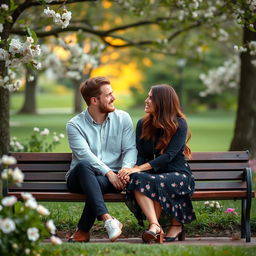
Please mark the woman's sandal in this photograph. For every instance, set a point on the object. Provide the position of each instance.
(180, 235)
(149, 236)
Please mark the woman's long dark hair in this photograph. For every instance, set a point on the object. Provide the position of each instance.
(167, 109)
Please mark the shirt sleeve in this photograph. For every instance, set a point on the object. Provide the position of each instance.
(175, 145)
(140, 158)
(82, 151)
(129, 152)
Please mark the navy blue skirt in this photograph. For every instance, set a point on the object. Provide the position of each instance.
(172, 190)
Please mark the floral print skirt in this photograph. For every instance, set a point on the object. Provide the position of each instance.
(172, 190)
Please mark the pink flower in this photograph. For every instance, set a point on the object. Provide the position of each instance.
(231, 210)
(147, 186)
(162, 184)
(153, 194)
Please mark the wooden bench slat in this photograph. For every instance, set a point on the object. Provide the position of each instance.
(44, 167)
(218, 166)
(111, 197)
(61, 186)
(199, 176)
(220, 156)
(46, 157)
(196, 156)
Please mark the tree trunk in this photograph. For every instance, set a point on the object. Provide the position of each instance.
(4, 117)
(245, 128)
(29, 105)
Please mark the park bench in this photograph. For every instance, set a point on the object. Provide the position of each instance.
(218, 176)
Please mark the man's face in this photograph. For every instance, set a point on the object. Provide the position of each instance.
(106, 99)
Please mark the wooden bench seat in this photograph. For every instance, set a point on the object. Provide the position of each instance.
(218, 176)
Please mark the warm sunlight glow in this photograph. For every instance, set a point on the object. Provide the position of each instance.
(122, 76)
(61, 52)
(147, 62)
(106, 4)
(115, 41)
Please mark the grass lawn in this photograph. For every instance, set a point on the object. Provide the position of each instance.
(145, 250)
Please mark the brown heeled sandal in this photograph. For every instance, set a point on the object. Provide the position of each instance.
(180, 235)
(149, 236)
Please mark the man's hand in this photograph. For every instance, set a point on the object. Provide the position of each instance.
(124, 174)
(114, 179)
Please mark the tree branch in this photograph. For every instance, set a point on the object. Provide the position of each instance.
(29, 3)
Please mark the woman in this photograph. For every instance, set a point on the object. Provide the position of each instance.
(162, 181)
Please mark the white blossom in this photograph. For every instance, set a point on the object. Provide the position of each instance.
(51, 226)
(1, 207)
(8, 160)
(36, 129)
(252, 47)
(226, 76)
(253, 63)
(9, 201)
(55, 240)
(1, 27)
(7, 225)
(31, 203)
(27, 196)
(15, 46)
(45, 132)
(17, 175)
(31, 78)
(42, 210)
(4, 55)
(59, 19)
(27, 251)
(5, 7)
(62, 136)
(56, 138)
(33, 234)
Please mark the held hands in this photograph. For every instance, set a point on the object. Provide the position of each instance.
(115, 180)
(124, 174)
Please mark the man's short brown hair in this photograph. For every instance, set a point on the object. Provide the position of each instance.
(91, 87)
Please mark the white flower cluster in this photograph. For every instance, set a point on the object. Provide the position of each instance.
(18, 53)
(11, 223)
(15, 174)
(226, 76)
(9, 81)
(252, 47)
(252, 4)
(4, 7)
(16, 145)
(78, 61)
(26, 53)
(62, 19)
(212, 204)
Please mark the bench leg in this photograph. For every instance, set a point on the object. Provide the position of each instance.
(245, 220)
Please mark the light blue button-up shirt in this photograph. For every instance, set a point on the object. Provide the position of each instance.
(107, 146)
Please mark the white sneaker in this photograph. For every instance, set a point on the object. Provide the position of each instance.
(114, 228)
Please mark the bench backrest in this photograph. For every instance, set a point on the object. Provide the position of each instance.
(213, 171)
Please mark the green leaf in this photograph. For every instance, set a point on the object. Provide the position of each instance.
(32, 33)
(13, 6)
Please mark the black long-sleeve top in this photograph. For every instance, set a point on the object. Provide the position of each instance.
(172, 159)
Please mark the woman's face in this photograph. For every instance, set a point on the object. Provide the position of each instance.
(149, 108)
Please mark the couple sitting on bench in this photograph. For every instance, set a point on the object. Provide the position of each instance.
(153, 170)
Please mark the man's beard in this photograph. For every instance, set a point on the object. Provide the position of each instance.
(105, 109)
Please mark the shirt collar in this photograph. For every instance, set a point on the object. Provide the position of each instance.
(91, 120)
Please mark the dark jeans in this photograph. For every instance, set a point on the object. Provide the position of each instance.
(84, 180)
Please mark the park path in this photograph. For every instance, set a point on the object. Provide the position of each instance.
(210, 241)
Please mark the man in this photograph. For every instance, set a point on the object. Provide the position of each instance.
(102, 142)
